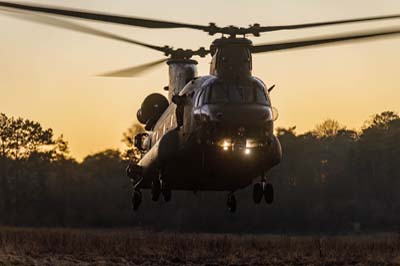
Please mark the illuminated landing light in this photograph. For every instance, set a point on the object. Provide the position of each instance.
(247, 151)
(226, 145)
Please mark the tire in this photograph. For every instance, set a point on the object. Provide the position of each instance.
(155, 190)
(257, 193)
(269, 193)
(167, 194)
(136, 200)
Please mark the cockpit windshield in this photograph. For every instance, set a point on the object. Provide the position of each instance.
(219, 92)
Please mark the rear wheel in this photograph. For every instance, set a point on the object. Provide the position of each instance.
(166, 191)
(269, 193)
(257, 193)
(155, 190)
(167, 194)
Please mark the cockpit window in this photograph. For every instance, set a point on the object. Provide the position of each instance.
(219, 92)
(239, 94)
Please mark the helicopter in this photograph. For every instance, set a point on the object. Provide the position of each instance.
(213, 132)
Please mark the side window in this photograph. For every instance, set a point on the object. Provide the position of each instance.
(217, 94)
(259, 94)
(199, 101)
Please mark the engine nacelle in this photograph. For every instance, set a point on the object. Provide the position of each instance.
(151, 110)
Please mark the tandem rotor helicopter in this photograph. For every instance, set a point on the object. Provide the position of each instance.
(213, 132)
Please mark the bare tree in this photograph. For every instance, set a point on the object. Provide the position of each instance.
(328, 128)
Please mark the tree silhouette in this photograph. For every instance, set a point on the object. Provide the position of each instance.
(381, 120)
(329, 178)
(23, 142)
(328, 129)
(131, 152)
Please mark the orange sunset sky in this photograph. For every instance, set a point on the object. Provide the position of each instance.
(49, 74)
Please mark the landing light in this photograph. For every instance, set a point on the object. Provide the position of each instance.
(226, 145)
(247, 151)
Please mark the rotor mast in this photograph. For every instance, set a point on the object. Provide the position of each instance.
(182, 68)
(181, 71)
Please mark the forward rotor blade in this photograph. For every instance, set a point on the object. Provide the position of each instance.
(327, 23)
(60, 23)
(325, 40)
(75, 13)
(133, 71)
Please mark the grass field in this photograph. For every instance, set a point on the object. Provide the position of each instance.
(25, 246)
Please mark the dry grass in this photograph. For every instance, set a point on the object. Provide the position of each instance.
(133, 247)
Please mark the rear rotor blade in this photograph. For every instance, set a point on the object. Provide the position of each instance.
(60, 23)
(327, 23)
(133, 71)
(75, 13)
(333, 39)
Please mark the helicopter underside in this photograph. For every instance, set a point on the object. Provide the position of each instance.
(213, 167)
(205, 167)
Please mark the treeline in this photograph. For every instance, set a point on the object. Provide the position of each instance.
(331, 179)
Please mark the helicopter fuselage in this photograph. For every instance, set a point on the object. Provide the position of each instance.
(218, 137)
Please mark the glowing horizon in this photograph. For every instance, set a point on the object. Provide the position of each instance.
(48, 74)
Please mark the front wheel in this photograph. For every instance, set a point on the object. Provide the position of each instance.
(155, 190)
(136, 199)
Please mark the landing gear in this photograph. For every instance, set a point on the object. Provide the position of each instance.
(258, 193)
(167, 194)
(159, 187)
(231, 202)
(136, 199)
(269, 193)
(166, 191)
(261, 190)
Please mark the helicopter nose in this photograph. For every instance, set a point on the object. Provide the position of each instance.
(241, 129)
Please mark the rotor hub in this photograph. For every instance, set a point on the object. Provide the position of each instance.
(184, 53)
(233, 31)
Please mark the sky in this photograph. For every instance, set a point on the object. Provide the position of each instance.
(49, 74)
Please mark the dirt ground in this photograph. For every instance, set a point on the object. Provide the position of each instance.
(25, 246)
